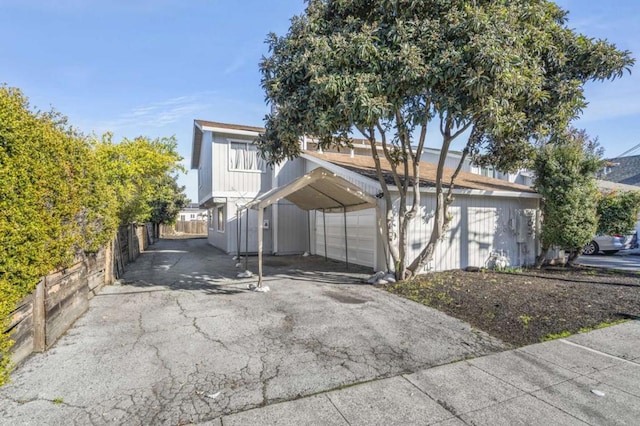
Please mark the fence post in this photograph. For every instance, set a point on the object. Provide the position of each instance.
(108, 263)
(131, 255)
(39, 320)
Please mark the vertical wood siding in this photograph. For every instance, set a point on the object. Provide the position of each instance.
(205, 182)
(231, 232)
(293, 222)
(480, 225)
(226, 180)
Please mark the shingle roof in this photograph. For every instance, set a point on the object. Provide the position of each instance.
(364, 165)
(624, 170)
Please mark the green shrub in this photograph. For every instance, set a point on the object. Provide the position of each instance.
(62, 195)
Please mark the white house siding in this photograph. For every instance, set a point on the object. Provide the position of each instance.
(487, 223)
(216, 238)
(360, 236)
(292, 223)
(225, 180)
(232, 229)
(205, 183)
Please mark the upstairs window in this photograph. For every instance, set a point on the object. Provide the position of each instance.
(244, 156)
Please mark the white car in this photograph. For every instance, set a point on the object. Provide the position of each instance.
(608, 244)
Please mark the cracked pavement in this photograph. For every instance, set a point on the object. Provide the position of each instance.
(183, 341)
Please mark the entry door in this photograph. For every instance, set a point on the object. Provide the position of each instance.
(253, 232)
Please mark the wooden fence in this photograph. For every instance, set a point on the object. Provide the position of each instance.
(63, 296)
(194, 227)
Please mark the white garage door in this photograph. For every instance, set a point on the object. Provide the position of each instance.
(361, 236)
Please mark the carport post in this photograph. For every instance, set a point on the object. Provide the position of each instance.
(260, 231)
(346, 246)
(309, 230)
(238, 229)
(246, 242)
(324, 229)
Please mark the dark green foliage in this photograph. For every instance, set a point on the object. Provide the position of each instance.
(62, 195)
(618, 212)
(168, 201)
(565, 176)
(49, 197)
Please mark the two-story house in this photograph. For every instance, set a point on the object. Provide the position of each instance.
(488, 216)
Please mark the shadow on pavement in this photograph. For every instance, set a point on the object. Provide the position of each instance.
(194, 265)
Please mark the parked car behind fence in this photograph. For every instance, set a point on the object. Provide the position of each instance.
(609, 244)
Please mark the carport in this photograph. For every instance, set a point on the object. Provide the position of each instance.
(320, 190)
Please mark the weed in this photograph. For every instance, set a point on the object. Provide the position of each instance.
(556, 336)
(58, 400)
(510, 270)
(582, 330)
(444, 298)
(525, 320)
(602, 325)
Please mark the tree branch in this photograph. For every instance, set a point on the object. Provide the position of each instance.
(462, 129)
(385, 149)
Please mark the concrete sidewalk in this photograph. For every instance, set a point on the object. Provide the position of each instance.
(591, 378)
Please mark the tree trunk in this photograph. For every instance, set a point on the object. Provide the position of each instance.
(573, 255)
(541, 257)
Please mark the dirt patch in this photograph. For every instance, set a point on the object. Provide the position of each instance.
(527, 307)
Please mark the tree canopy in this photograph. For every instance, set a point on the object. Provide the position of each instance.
(506, 73)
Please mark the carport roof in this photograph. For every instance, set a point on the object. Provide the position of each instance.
(319, 189)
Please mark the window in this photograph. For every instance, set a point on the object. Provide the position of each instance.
(221, 220)
(488, 172)
(193, 215)
(244, 156)
(182, 218)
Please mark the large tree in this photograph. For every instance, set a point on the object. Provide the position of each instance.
(565, 177)
(502, 73)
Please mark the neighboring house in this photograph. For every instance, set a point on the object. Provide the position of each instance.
(488, 215)
(624, 170)
(192, 212)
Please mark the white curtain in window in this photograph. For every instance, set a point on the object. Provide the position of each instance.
(244, 156)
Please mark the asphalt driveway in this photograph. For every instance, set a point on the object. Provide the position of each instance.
(182, 340)
(625, 260)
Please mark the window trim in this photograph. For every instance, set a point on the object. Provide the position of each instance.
(245, 142)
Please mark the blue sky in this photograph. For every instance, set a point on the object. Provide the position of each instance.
(149, 67)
